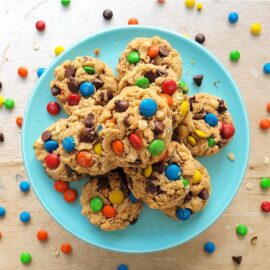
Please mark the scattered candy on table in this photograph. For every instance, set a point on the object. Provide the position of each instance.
(24, 186)
(70, 195)
(268, 107)
(25, 258)
(1, 85)
(40, 71)
(190, 3)
(22, 72)
(237, 259)
(19, 121)
(264, 123)
(61, 186)
(266, 69)
(107, 14)
(199, 6)
(65, 3)
(209, 247)
(198, 79)
(241, 229)
(161, 1)
(184, 87)
(58, 50)
(200, 38)
(2, 211)
(25, 216)
(9, 103)
(255, 28)
(40, 25)
(233, 17)
(1, 100)
(42, 235)
(132, 21)
(265, 206)
(234, 55)
(265, 182)
(66, 248)
(124, 266)
(53, 108)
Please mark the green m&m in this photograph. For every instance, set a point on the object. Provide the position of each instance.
(184, 87)
(89, 70)
(25, 258)
(142, 82)
(9, 103)
(133, 57)
(234, 55)
(156, 147)
(96, 204)
(65, 3)
(185, 182)
(241, 229)
(211, 142)
(265, 182)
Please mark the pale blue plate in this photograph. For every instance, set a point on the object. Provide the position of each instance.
(153, 231)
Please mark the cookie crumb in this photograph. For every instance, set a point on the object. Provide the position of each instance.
(56, 251)
(35, 45)
(237, 259)
(254, 239)
(231, 156)
(265, 160)
(97, 51)
(216, 84)
(254, 73)
(249, 186)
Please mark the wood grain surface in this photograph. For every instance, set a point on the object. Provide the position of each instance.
(66, 26)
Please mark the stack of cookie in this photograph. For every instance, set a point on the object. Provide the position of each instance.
(135, 136)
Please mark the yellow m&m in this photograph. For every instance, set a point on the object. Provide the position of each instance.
(191, 140)
(1, 100)
(98, 149)
(256, 28)
(184, 108)
(200, 134)
(58, 50)
(190, 3)
(196, 178)
(116, 196)
(147, 171)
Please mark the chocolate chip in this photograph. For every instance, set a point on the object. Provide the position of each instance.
(136, 162)
(88, 122)
(198, 79)
(163, 52)
(159, 127)
(152, 178)
(103, 182)
(204, 194)
(126, 123)
(73, 86)
(46, 135)
(200, 38)
(200, 114)
(121, 105)
(98, 83)
(221, 107)
(88, 135)
(109, 94)
(175, 135)
(151, 76)
(161, 73)
(70, 71)
(237, 259)
(188, 197)
(159, 167)
(55, 91)
(133, 221)
(151, 188)
(191, 101)
(221, 144)
(2, 138)
(70, 172)
(1, 85)
(107, 14)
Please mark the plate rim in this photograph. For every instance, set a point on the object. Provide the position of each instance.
(192, 43)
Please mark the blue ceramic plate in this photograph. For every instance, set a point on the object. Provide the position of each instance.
(154, 231)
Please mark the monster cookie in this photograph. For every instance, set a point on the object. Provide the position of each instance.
(153, 50)
(168, 87)
(207, 127)
(80, 145)
(136, 127)
(196, 199)
(82, 82)
(107, 202)
(48, 152)
(165, 184)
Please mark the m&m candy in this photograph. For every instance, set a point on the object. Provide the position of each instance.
(196, 178)
(122, 267)
(211, 142)
(132, 21)
(90, 70)
(65, 3)
(156, 147)
(265, 206)
(109, 211)
(2, 211)
(148, 107)
(190, 3)
(227, 131)
(51, 145)
(116, 196)
(142, 82)
(241, 229)
(52, 161)
(169, 87)
(265, 183)
(117, 147)
(9, 103)
(211, 119)
(87, 89)
(24, 186)
(148, 170)
(25, 216)
(61, 186)
(132, 198)
(42, 235)
(70, 195)
(22, 72)
(135, 141)
(256, 28)
(66, 248)
(53, 108)
(96, 204)
(73, 100)
(184, 87)
(266, 68)
(40, 71)
(183, 214)
(233, 17)
(173, 172)
(25, 258)
(133, 57)
(235, 55)
(40, 25)
(68, 144)
(58, 50)
(209, 247)
(153, 51)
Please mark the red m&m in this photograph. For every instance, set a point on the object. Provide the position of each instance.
(40, 25)
(227, 130)
(135, 141)
(53, 108)
(73, 100)
(169, 87)
(265, 206)
(52, 161)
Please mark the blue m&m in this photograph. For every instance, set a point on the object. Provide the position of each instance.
(2, 211)
(40, 71)
(183, 213)
(132, 198)
(173, 172)
(24, 186)
(87, 89)
(24, 217)
(233, 17)
(51, 145)
(211, 119)
(266, 68)
(68, 144)
(209, 247)
(148, 107)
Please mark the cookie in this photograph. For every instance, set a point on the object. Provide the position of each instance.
(48, 152)
(81, 145)
(107, 202)
(167, 83)
(164, 184)
(196, 199)
(136, 127)
(153, 50)
(82, 82)
(207, 127)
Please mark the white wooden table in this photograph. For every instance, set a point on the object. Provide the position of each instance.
(66, 26)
